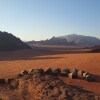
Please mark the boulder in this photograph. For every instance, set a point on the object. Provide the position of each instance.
(48, 71)
(38, 71)
(31, 71)
(24, 72)
(72, 75)
(80, 73)
(56, 71)
(65, 72)
(19, 75)
(85, 73)
(89, 78)
(41, 71)
(75, 71)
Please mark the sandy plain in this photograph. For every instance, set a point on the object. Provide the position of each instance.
(12, 63)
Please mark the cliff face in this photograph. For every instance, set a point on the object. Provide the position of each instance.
(9, 42)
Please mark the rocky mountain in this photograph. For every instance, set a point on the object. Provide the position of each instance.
(82, 40)
(9, 42)
(68, 40)
(52, 41)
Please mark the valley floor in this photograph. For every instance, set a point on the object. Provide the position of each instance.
(11, 63)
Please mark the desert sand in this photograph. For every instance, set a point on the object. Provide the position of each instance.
(11, 63)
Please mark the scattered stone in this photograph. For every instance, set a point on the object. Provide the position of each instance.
(80, 73)
(24, 72)
(38, 72)
(72, 75)
(75, 72)
(48, 71)
(89, 78)
(56, 71)
(41, 71)
(31, 71)
(65, 72)
(85, 73)
(19, 75)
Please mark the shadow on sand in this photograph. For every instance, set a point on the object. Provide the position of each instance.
(96, 78)
(36, 53)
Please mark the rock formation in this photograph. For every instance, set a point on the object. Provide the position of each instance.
(43, 87)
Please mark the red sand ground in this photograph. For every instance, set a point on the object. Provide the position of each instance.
(11, 63)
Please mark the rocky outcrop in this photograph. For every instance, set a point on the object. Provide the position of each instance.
(43, 87)
(9, 42)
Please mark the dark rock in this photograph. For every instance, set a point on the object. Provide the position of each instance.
(56, 71)
(65, 72)
(72, 75)
(48, 71)
(19, 75)
(89, 78)
(41, 71)
(24, 72)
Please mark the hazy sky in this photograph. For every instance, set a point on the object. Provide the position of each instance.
(42, 19)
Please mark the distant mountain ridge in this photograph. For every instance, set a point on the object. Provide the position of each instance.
(82, 40)
(52, 41)
(9, 42)
(68, 40)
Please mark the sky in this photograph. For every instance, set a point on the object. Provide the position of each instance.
(43, 19)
